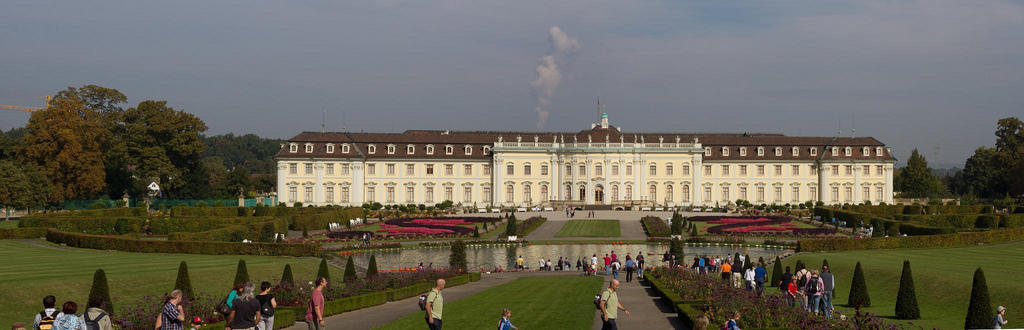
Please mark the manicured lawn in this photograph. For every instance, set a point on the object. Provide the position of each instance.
(589, 228)
(8, 223)
(942, 278)
(30, 272)
(536, 303)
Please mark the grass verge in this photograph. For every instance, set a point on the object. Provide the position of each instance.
(590, 228)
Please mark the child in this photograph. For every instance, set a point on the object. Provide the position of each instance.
(505, 323)
(197, 323)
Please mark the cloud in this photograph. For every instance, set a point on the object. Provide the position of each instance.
(549, 76)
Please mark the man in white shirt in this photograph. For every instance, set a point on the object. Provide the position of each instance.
(748, 276)
(50, 310)
(542, 264)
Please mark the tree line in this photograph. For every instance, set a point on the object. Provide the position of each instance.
(86, 145)
(995, 173)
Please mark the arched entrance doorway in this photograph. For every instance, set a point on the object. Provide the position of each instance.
(599, 195)
(583, 193)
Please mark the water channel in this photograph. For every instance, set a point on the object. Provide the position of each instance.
(488, 257)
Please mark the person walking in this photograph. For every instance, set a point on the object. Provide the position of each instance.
(315, 312)
(172, 315)
(737, 273)
(813, 291)
(640, 264)
(630, 268)
(44, 320)
(94, 314)
(67, 319)
(759, 275)
(614, 256)
(802, 275)
(235, 291)
(997, 321)
(615, 269)
(792, 292)
(519, 263)
(748, 277)
(268, 305)
(829, 281)
(246, 311)
(786, 278)
(435, 305)
(726, 270)
(732, 324)
(610, 306)
(607, 265)
(506, 323)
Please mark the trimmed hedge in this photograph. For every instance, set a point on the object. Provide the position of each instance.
(320, 220)
(86, 224)
(418, 289)
(251, 230)
(527, 226)
(163, 226)
(273, 211)
(111, 212)
(655, 227)
(911, 229)
(88, 241)
(910, 242)
(218, 211)
(1011, 221)
(686, 312)
(22, 233)
(958, 221)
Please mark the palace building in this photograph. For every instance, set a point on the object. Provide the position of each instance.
(599, 166)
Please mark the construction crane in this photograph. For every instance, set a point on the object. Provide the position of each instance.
(23, 108)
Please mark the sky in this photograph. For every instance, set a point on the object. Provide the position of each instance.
(931, 74)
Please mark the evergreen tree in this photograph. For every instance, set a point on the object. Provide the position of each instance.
(916, 179)
(676, 249)
(323, 271)
(287, 277)
(242, 273)
(749, 264)
(305, 233)
(101, 290)
(476, 231)
(350, 271)
(371, 268)
(457, 259)
(677, 224)
(859, 289)
(184, 283)
(777, 272)
(906, 299)
(979, 311)
(824, 263)
(760, 260)
(513, 226)
(693, 230)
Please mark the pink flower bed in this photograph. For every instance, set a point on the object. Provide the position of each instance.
(414, 231)
(436, 222)
(729, 221)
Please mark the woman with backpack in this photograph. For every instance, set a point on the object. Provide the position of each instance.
(95, 317)
(815, 286)
(68, 320)
(267, 307)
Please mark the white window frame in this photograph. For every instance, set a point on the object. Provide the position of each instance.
(468, 149)
(293, 147)
(866, 151)
(449, 149)
(760, 151)
(743, 151)
(879, 152)
(725, 151)
(487, 150)
(835, 151)
(330, 148)
(391, 149)
(430, 149)
(778, 151)
(707, 151)
(410, 149)
(309, 148)
(345, 148)
(814, 151)
(848, 152)
(796, 151)
(372, 149)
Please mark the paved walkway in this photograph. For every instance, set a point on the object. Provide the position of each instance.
(629, 223)
(647, 310)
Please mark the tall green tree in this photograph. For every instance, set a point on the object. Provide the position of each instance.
(350, 271)
(184, 282)
(287, 276)
(859, 289)
(66, 140)
(979, 311)
(457, 258)
(101, 290)
(1010, 148)
(324, 270)
(676, 249)
(242, 273)
(916, 179)
(980, 173)
(777, 272)
(906, 297)
(162, 142)
(23, 186)
(371, 268)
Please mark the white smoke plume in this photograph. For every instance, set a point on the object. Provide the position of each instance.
(548, 74)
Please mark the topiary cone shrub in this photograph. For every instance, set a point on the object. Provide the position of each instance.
(287, 277)
(371, 268)
(824, 263)
(979, 311)
(350, 271)
(457, 259)
(183, 282)
(906, 298)
(859, 289)
(101, 290)
(324, 271)
(676, 249)
(242, 274)
(777, 272)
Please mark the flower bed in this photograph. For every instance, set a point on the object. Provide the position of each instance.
(693, 294)
(759, 226)
(655, 227)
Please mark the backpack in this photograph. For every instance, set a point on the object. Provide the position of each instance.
(267, 309)
(423, 302)
(802, 282)
(93, 324)
(597, 302)
(46, 321)
(812, 285)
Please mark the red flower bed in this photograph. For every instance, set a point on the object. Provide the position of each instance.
(758, 226)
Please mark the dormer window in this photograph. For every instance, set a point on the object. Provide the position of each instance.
(293, 148)
(778, 151)
(391, 149)
(410, 149)
(344, 148)
(866, 151)
(814, 151)
(848, 151)
(725, 151)
(760, 151)
(309, 148)
(796, 152)
(743, 151)
(878, 151)
(487, 150)
(707, 151)
(448, 150)
(371, 148)
(835, 151)
(330, 148)
(469, 150)
(430, 149)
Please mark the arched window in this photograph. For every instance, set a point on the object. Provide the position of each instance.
(527, 169)
(568, 192)
(652, 193)
(654, 169)
(629, 192)
(583, 169)
(629, 169)
(686, 193)
(526, 194)
(583, 193)
(510, 192)
(510, 169)
(615, 192)
(598, 169)
(668, 169)
(544, 193)
(615, 169)
(668, 193)
(686, 169)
